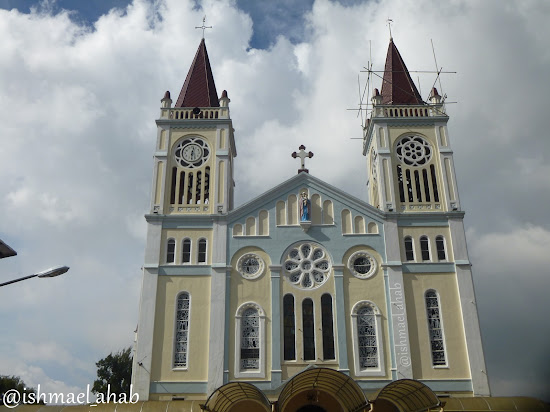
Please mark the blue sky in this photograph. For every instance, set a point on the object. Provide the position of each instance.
(77, 111)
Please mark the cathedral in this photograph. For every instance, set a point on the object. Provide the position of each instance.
(307, 298)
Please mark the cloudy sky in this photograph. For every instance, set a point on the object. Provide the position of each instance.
(80, 88)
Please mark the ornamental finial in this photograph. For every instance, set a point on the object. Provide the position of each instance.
(302, 154)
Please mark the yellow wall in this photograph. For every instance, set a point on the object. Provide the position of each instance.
(163, 344)
(372, 289)
(431, 232)
(194, 235)
(445, 285)
(250, 290)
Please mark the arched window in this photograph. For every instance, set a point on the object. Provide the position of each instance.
(327, 322)
(186, 251)
(289, 328)
(368, 353)
(250, 341)
(170, 251)
(201, 255)
(435, 329)
(308, 327)
(181, 333)
(409, 251)
(440, 246)
(425, 247)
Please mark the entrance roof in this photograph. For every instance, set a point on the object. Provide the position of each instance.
(226, 396)
(409, 395)
(335, 383)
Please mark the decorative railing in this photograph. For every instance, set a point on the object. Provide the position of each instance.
(186, 113)
(433, 110)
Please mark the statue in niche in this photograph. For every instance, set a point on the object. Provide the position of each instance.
(305, 208)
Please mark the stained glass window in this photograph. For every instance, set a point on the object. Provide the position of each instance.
(435, 329)
(182, 331)
(366, 335)
(250, 339)
(328, 332)
(308, 326)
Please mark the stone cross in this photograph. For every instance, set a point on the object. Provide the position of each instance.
(302, 154)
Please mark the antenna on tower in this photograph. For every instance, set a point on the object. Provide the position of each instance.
(438, 70)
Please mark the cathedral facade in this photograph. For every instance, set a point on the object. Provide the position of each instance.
(307, 297)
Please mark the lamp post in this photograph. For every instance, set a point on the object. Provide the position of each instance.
(48, 273)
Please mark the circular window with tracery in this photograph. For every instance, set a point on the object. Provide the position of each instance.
(414, 150)
(362, 265)
(192, 152)
(250, 266)
(307, 265)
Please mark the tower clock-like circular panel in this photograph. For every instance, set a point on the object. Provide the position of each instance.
(362, 265)
(414, 150)
(192, 152)
(307, 265)
(250, 266)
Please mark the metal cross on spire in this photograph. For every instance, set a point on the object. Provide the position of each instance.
(203, 26)
(302, 154)
(390, 21)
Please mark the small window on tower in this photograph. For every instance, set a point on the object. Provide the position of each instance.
(201, 257)
(186, 251)
(409, 252)
(170, 251)
(440, 246)
(425, 247)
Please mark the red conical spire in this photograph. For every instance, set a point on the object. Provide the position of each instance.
(199, 89)
(397, 86)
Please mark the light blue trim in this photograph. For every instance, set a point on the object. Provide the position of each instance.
(187, 224)
(185, 270)
(393, 364)
(428, 268)
(430, 221)
(275, 324)
(177, 387)
(341, 320)
(463, 385)
(228, 316)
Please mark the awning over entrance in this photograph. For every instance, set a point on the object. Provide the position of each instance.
(330, 381)
(409, 395)
(233, 393)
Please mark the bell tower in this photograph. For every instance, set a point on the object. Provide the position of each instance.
(409, 158)
(195, 147)
(185, 254)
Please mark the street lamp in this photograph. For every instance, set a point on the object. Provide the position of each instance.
(48, 273)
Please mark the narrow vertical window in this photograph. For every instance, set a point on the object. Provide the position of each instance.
(434, 184)
(250, 339)
(435, 329)
(409, 185)
(409, 253)
(173, 187)
(425, 247)
(182, 188)
(170, 251)
(308, 326)
(366, 335)
(417, 184)
(426, 184)
(207, 185)
(289, 328)
(198, 188)
(186, 251)
(189, 188)
(182, 331)
(328, 332)
(440, 246)
(400, 180)
(201, 256)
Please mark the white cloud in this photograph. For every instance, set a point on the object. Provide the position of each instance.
(77, 110)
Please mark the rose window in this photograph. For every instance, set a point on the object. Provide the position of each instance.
(307, 266)
(250, 266)
(362, 265)
(414, 150)
(192, 152)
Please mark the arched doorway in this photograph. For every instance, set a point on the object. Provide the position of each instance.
(321, 390)
(237, 396)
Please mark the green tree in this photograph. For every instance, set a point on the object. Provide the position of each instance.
(13, 382)
(114, 370)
